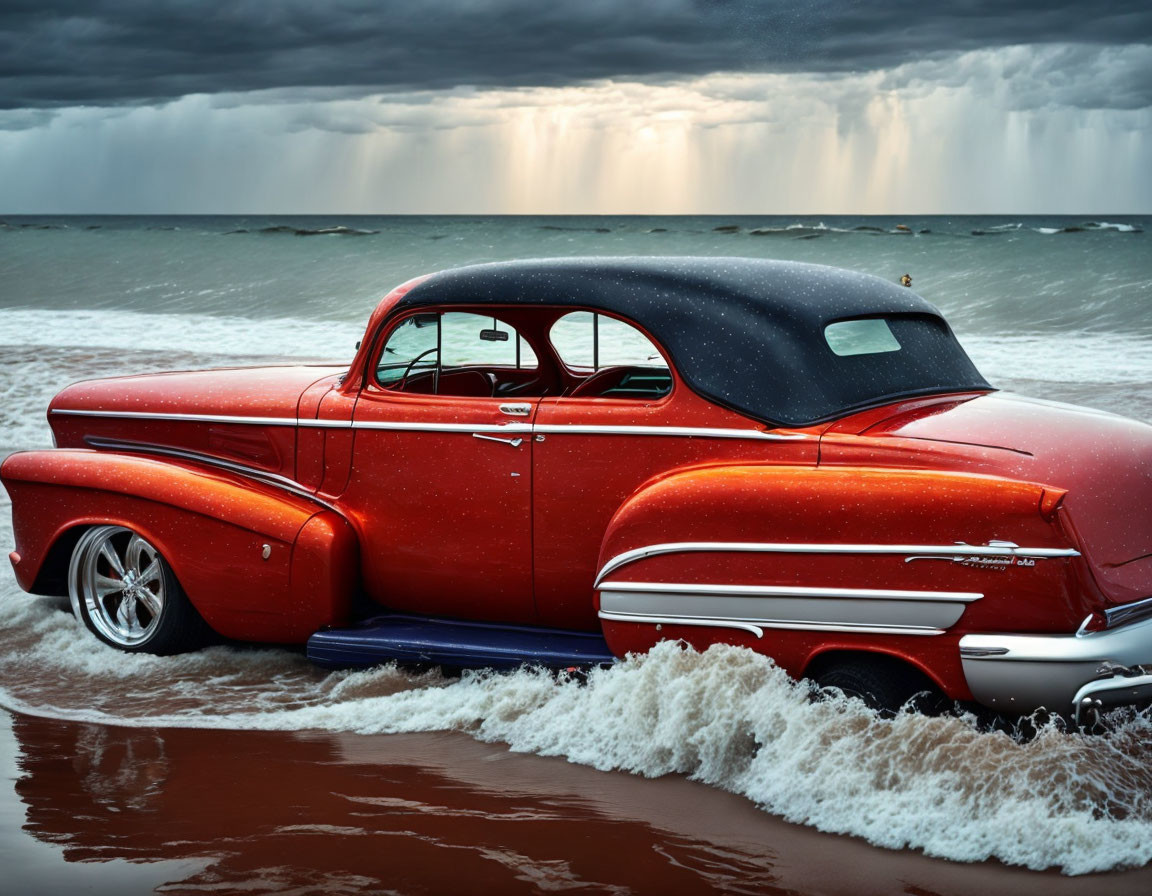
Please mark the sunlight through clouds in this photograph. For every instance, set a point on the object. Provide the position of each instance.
(966, 135)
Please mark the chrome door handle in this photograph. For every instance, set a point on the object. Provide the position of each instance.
(516, 410)
(515, 443)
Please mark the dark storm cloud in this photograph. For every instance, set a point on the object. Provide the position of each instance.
(109, 52)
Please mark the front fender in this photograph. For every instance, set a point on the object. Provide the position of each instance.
(213, 527)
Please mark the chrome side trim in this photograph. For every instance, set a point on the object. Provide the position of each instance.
(983, 651)
(754, 625)
(1130, 612)
(794, 591)
(274, 479)
(842, 609)
(951, 550)
(757, 630)
(199, 418)
(397, 426)
(391, 426)
(683, 431)
(304, 422)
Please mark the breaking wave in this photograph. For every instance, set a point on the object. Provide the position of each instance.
(726, 717)
(45, 350)
(208, 335)
(806, 230)
(1065, 358)
(337, 230)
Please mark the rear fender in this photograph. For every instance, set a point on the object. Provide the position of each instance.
(257, 563)
(819, 554)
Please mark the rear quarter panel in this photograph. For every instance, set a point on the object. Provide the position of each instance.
(806, 506)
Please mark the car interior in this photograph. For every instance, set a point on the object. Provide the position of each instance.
(528, 352)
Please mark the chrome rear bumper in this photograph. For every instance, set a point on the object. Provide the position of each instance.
(1104, 692)
(1020, 673)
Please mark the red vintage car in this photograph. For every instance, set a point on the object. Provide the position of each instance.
(564, 461)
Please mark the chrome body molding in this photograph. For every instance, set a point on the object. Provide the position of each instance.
(683, 431)
(983, 651)
(756, 626)
(263, 476)
(756, 630)
(958, 549)
(776, 606)
(400, 426)
(390, 426)
(1130, 612)
(303, 422)
(792, 591)
(1023, 672)
(159, 415)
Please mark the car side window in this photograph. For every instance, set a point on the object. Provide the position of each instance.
(612, 358)
(455, 353)
(471, 340)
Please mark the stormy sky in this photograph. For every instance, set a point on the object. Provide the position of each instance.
(642, 106)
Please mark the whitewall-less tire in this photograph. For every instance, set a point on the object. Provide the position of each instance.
(124, 591)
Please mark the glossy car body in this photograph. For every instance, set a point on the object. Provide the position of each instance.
(778, 488)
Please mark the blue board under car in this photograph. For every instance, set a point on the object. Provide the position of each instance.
(456, 643)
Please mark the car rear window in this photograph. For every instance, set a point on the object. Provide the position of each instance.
(867, 336)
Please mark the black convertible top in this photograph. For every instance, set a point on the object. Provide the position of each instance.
(746, 333)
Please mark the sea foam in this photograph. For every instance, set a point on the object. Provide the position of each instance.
(727, 717)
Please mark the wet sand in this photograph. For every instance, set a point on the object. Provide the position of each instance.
(99, 809)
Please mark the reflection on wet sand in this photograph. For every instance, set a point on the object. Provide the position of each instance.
(279, 812)
(440, 813)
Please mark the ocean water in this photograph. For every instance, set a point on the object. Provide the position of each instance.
(1060, 308)
(1057, 307)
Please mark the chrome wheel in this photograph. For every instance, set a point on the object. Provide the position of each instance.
(119, 585)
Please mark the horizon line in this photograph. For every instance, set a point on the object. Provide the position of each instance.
(1091, 214)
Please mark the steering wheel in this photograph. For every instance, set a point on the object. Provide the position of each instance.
(411, 364)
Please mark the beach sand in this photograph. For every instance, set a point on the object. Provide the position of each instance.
(99, 809)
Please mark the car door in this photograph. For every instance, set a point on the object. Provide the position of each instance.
(441, 483)
(630, 420)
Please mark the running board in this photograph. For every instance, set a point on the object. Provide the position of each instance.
(456, 643)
